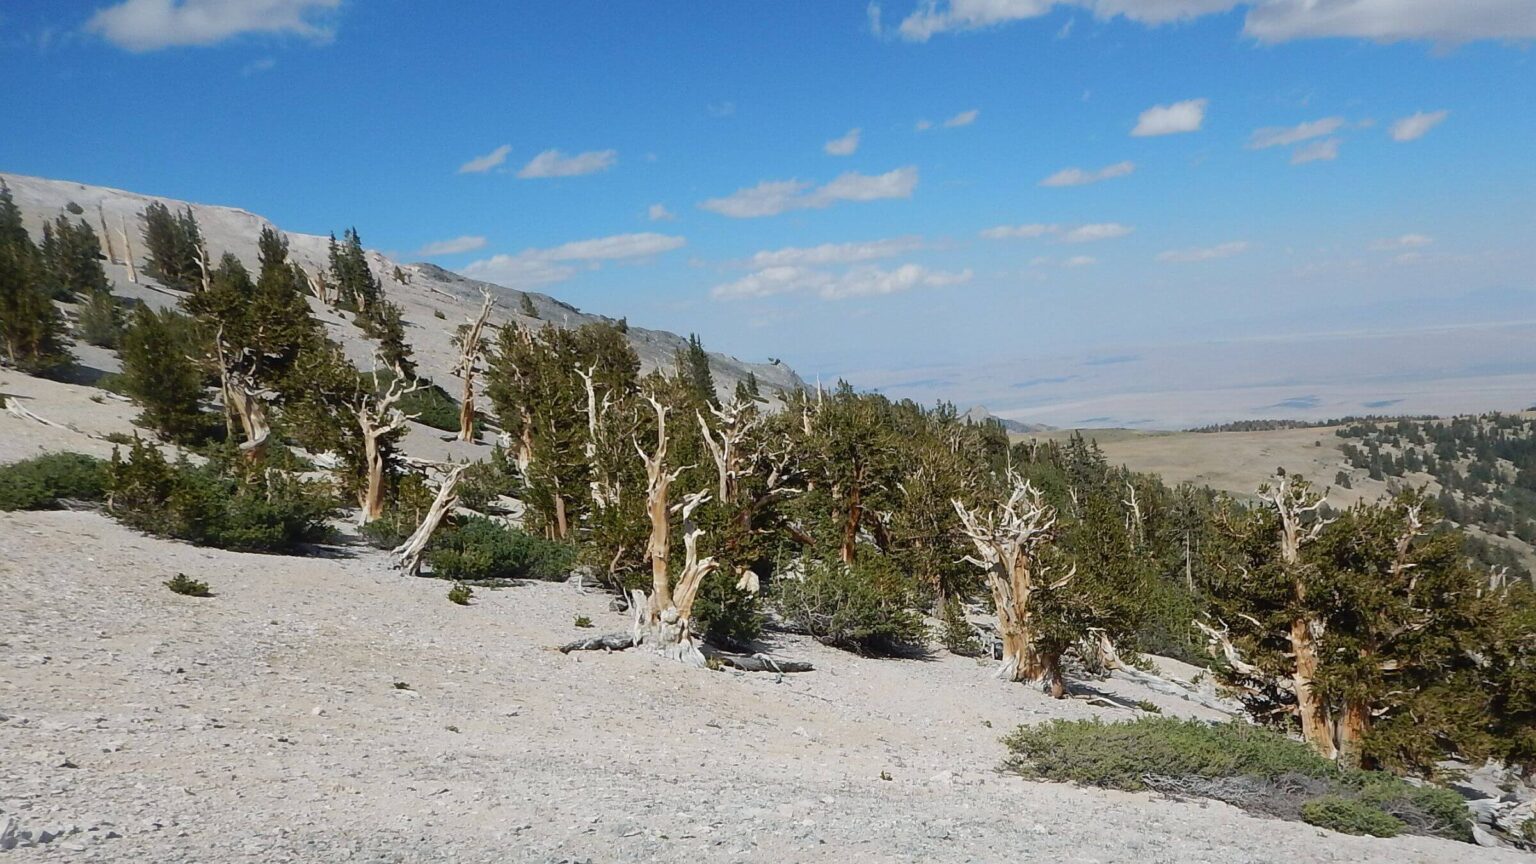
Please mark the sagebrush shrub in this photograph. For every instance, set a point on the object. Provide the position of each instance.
(1349, 816)
(42, 482)
(186, 586)
(479, 548)
(460, 593)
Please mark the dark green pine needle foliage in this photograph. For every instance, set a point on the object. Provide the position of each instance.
(160, 372)
(173, 245)
(32, 331)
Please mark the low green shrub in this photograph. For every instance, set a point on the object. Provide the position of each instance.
(1247, 766)
(186, 586)
(582, 621)
(864, 607)
(724, 613)
(479, 549)
(240, 506)
(1349, 816)
(460, 593)
(957, 634)
(431, 405)
(42, 482)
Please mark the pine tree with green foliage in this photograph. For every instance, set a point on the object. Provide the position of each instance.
(526, 307)
(173, 247)
(693, 368)
(72, 256)
(32, 331)
(159, 373)
(100, 321)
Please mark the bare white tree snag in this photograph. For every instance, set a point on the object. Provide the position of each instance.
(407, 556)
(133, 273)
(106, 235)
(1297, 505)
(606, 491)
(317, 286)
(1109, 658)
(469, 359)
(1008, 544)
(736, 420)
(243, 402)
(1133, 525)
(378, 416)
(203, 268)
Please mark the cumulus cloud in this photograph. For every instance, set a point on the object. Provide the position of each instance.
(1080, 177)
(1207, 253)
(1007, 232)
(844, 146)
(834, 253)
(1416, 125)
(553, 163)
(1406, 241)
(533, 267)
(467, 243)
(659, 213)
(1172, 119)
(772, 197)
(1284, 136)
(150, 25)
(482, 164)
(964, 118)
(864, 281)
(1325, 150)
(1442, 21)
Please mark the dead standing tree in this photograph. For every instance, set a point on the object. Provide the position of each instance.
(1009, 543)
(1297, 506)
(378, 416)
(469, 360)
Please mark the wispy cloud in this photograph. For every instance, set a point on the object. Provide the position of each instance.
(1205, 253)
(834, 253)
(1094, 232)
(482, 164)
(721, 109)
(1284, 136)
(772, 197)
(150, 25)
(1325, 150)
(1080, 261)
(1406, 241)
(1061, 233)
(1416, 125)
(553, 163)
(1080, 177)
(964, 118)
(659, 213)
(843, 146)
(865, 281)
(256, 67)
(534, 267)
(467, 243)
(1006, 232)
(1186, 116)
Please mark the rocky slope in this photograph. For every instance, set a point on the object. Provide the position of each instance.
(425, 291)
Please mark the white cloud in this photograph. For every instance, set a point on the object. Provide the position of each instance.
(1416, 125)
(1079, 177)
(467, 243)
(659, 213)
(1172, 119)
(482, 164)
(1093, 232)
(256, 67)
(553, 163)
(1007, 232)
(149, 25)
(1325, 150)
(1080, 261)
(866, 281)
(1406, 241)
(772, 197)
(1207, 253)
(924, 125)
(1284, 136)
(1062, 233)
(844, 146)
(834, 253)
(964, 118)
(1443, 21)
(534, 267)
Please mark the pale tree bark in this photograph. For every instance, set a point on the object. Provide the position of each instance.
(377, 416)
(133, 273)
(469, 358)
(317, 286)
(1297, 506)
(1008, 544)
(243, 402)
(605, 489)
(407, 556)
(735, 421)
(106, 235)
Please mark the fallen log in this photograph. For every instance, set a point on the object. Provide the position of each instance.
(605, 642)
(743, 662)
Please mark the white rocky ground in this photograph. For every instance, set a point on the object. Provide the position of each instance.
(263, 724)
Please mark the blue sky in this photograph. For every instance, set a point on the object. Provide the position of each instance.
(994, 201)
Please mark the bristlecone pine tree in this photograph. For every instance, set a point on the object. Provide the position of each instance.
(173, 246)
(32, 335)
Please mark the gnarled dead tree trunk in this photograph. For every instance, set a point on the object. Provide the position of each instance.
(378, 416)
(1297, 506)
(243, 402)
(133, 272)
(1008, 544)
(736, 420)
(407, 556)
(469, 359)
